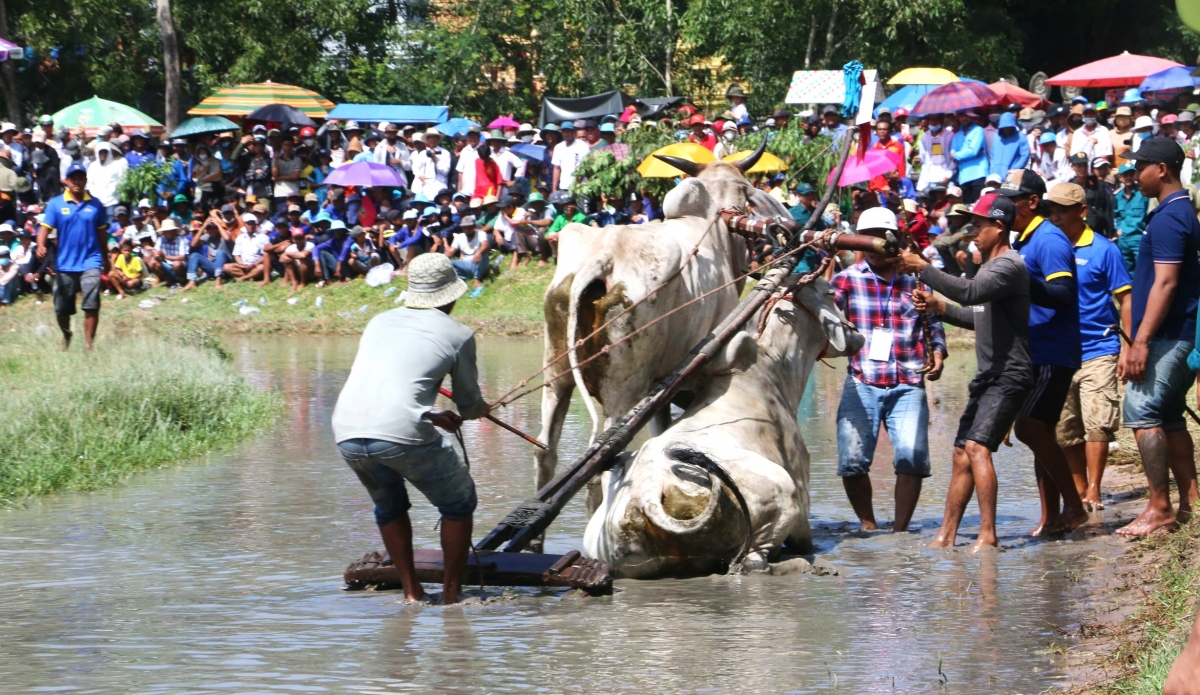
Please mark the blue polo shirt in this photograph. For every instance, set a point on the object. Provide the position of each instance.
(1101, 275)
(76, 223)
(1172, 236)
(1053, 334)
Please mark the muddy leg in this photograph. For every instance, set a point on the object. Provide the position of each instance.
(984, 475)
(962, 486)
(908, 492)
(397, 538)
(858, 490)
(1155, 452)
(1184, 678)
(1183, 466)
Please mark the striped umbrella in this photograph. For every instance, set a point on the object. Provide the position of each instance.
(94, 113)
(956, 96)
(244, 98)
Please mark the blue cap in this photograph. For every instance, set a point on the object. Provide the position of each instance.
(607, 128)
(1047, 137)
(1131, 95)
(75, 167)
(567, 125)
(429, 211)
(1127, 166)
(805, 189)
(337, 224)
(1079, 100)
(550, 127)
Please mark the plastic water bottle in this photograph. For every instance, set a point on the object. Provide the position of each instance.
(262, 301)
(240, 303)
(362, 309)
(319, 302)
(389, 291)
(292, 301)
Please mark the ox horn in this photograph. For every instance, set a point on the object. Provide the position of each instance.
(687, 166)
(745, 164)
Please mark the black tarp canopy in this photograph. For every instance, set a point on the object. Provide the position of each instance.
(556, 109)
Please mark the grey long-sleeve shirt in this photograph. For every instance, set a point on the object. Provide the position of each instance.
(995, 304)
(403, 356)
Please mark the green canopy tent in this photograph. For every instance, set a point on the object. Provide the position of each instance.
(94, 113)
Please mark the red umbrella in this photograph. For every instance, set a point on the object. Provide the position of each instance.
(504, 122)
(1012, 94)
(956, 96)
(875, 163)
(1125, 70)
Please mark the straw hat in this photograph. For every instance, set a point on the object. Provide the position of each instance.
(432, 282)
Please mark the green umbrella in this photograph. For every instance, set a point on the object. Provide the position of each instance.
(202, 125)
(94, 113)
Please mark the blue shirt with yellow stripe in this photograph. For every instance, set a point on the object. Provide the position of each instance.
(1054, 337)
(76, 222)
(1101, 276)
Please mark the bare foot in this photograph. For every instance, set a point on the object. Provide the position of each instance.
(217, 283)
(1184, 678)
(541, 264)
(191, 285)
(1091, 501)
(984, 544)
(1148, 522)
(66, 340)
(1048, 522)
(942, 541)
(867, 525)
(1068, 521)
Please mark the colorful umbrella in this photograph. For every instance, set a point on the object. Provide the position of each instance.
(528, 151)
(244, 98)
(1012, 94)
(654, 168)
(1171, 78)
(94, 113)
(280, 113)
(956, 96)
(934, 76)
(454, 126)
(1125, 70)
(504, 122)
(10, 50)
(906, 97)
(365, 174)
(767, 163)
(875, 163)
(202, 125)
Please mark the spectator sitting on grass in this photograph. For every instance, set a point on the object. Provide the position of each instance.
(248, 250)
(333, 254)
(10, 277)
(128, 272)
(570, 213)
(430, 226)
(474, 251)
(209, 252)
(406, 242)
(171, 252)
(298, 261)
(363, 253)
(279, 238)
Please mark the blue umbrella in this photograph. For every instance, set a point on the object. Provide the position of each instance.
(906, 97)
(534, 152)
(1171, 78)
(454, 126)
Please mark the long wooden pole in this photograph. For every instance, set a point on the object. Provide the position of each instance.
(530, 520)
(502, 424)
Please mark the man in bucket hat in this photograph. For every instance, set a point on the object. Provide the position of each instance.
(385, 419)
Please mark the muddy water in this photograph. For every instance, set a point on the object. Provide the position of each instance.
(224, 576)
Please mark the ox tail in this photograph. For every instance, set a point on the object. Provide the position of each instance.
(588, 283)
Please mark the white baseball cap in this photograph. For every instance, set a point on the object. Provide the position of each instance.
(877, 218)
(1143, 122)
(411, 214)
(249, 217)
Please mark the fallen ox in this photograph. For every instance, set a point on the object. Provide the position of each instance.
(602, 272)
(729, 479)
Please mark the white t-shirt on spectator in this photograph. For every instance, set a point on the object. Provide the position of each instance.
(249, 248)
(466, 167)
(468, 246)
(567, 157)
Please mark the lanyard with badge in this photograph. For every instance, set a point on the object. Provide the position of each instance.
(880, 349)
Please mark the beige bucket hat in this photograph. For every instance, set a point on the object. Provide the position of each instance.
(432, 282)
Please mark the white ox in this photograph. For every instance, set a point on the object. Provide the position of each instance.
(603, 271)
(670, 510)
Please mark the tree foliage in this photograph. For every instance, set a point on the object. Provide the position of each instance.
(484, 57)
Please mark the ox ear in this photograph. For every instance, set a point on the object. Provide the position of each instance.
(689, 199)
(739, 354)
(817, 298)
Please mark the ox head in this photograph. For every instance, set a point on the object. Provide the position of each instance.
(724, 182)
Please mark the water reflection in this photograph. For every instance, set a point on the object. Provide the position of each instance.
(223, 576)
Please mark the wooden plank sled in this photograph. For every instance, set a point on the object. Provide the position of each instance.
(497, 569)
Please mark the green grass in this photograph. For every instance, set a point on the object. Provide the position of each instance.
(77, 421)
(1164, 620)
(511, 304)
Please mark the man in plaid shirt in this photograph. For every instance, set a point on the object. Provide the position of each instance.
(171, 252)
(883, 384)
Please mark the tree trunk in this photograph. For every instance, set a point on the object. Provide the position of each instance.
(670, 58)
(170, 43)
(833, 12)
(812, 40)
(12, 106)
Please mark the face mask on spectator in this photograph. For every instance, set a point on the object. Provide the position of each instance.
(202, 157)
(1089, 121)
(526, 139)
(309, 142)
(1076, 122)
(935, 128)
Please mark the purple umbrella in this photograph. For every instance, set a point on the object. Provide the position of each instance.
(365, 174)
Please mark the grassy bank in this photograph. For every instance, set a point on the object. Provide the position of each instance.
(1158, 631)
(511, 304)
(80, 421)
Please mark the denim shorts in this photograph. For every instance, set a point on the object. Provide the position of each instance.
(1159, 400)
(904, 412)
(433, 468)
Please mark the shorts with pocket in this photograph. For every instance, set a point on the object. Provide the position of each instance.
(1160, 399)
(67, 286)
(992, 407)
(433, 468)
(1092, 412)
